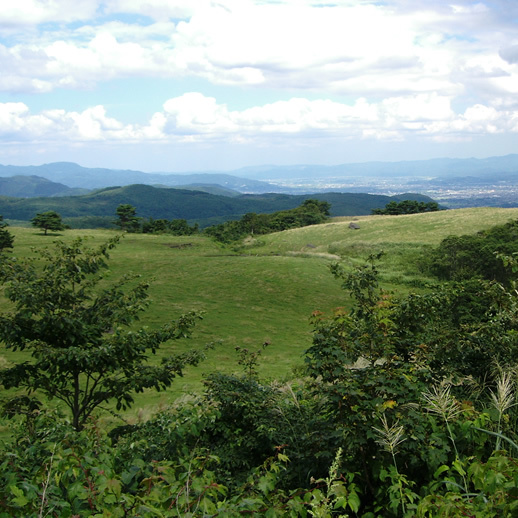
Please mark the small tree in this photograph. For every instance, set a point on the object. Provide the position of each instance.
(77, 333)
(6, 238)
(49, 220)
(128, 220)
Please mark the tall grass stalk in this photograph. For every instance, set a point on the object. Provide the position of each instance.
(390, 438)
(503, 399)
(441, 402)
(46, 483)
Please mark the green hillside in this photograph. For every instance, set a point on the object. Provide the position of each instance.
(192, 205)
(210, 188)
(268, 289)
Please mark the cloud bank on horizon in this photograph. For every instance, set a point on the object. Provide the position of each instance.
(178, 85)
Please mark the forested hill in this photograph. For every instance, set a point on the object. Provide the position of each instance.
(202, 207)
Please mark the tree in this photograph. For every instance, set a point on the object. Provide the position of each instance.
(49, 220)
(180, 227)
(254, 223)
(78, 333)
(155, 226)
(128, 220)
(6, 238)
(321, 207)
(394, 208)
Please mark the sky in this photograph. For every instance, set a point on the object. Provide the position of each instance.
(192, 85)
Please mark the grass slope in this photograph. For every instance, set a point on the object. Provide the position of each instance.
(268, 290)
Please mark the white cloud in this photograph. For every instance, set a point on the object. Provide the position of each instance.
(32, 12)
(194, 117)
(11, 117)
(350, 47)
(157, 9)
(18, 124)
(194, 113)
(510, 54)
(422, 107)
(476, 120)
(470, 9)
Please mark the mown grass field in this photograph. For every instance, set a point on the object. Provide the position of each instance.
(266, 290)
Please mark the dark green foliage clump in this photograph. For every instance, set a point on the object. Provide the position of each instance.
(374, 363)
(127, 218)
(464, 257)
(242, 420)
(6, 238)
(395, 208)
(176, 227)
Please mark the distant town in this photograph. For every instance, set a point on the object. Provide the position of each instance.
(454, 192)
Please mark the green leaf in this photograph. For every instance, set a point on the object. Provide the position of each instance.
(354, 501)
(440, 470)
(19, 498)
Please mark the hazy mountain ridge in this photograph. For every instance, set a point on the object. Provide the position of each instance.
(74, 175)
(419, 168)
(454, 183)
(259, 179)
(21, 186)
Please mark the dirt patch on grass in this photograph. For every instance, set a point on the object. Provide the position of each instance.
(178, 245)
(316, 255)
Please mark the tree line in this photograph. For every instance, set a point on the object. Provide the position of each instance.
(310, 212)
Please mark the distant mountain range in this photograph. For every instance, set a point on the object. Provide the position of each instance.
(73, 175)
(271, 178)
(82, 193)
(415, 168)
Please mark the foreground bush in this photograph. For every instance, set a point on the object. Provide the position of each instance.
(55, 471)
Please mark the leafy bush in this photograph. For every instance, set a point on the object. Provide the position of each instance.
(467, 256)
(60, 472)
(176, 227)
(395, 208)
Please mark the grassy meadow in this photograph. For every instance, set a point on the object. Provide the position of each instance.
(265, 290)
